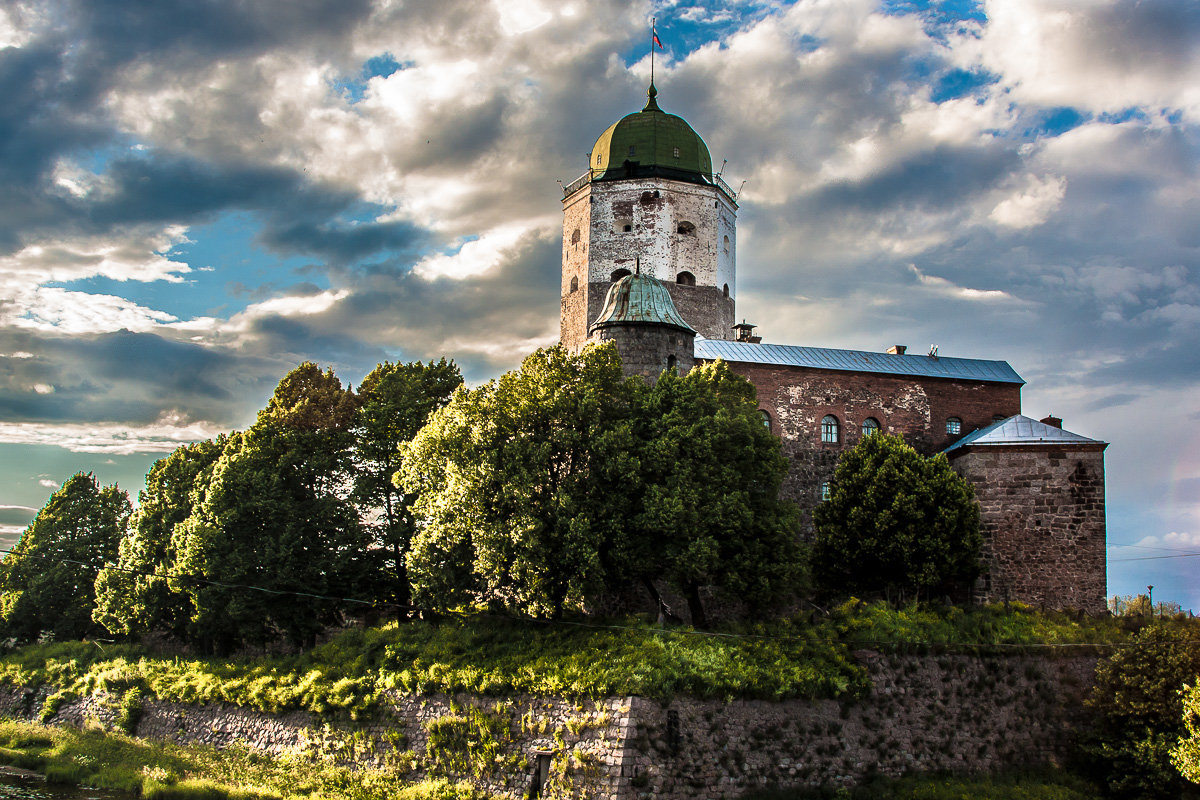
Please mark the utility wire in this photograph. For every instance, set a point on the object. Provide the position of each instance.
(467, 615)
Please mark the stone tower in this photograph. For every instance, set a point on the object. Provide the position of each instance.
(642, 321)
(649, 196)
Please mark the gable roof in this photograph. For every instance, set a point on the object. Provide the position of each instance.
(1020, 429)
(973, 369)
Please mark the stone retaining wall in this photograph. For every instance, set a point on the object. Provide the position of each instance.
(925, 713)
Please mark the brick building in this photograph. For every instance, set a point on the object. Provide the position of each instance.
(649, 244)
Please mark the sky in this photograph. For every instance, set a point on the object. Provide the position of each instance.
(197, 196)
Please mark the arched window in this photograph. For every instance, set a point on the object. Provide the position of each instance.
(829, 429)
(670, 362)
(574, 284)
(826, 491)
(618, 274)
(726, 290)
(623, 224)
(953, 426)
(766, 418)
(726, 244)
(870, 426)
(686, 228)
(685, 279)
(575, 237)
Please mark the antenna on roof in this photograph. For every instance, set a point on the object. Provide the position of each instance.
(739, 191)
(721, 172)
(933, 351)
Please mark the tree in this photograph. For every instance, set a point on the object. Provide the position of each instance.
(134, 595)
(711, 513)
(564, 479)
(47, 581)
(895, 523)
(395, 400)
(1137, 698)
(1186, 754)
(276, 516)
(521, 482)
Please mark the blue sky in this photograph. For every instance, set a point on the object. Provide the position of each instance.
(196, 197)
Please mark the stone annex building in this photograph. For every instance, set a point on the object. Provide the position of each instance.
(649, 263)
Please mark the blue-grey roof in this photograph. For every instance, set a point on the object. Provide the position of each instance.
(857, 361)
(1020, 430)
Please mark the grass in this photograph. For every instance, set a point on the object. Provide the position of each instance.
(164, 771)
(802, 658)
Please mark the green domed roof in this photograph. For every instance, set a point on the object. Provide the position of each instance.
(639, 299)
(657, 142)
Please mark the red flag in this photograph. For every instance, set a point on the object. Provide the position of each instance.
(657, 41)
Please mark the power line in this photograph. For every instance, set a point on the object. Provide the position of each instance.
(1153, 558)
(464, 615)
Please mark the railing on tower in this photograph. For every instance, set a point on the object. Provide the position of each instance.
(637, 171)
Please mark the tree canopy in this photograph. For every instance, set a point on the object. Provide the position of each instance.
(1137, 696)
(134, 595)
(1186, 754)
(47, 581)
(564, 479)
(895, 523)
(395, 400)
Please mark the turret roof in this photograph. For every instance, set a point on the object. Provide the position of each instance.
(640, 300)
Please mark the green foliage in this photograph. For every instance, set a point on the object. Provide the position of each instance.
(46, 582)
(711, 513)
(1137, 698)
(470, 741)
(274, 516)
(896, 524)
(1185, 755)
(135, 595)
(1140, 606)
(172, 772)
(395, 400)
(564, 479)
(521, 482)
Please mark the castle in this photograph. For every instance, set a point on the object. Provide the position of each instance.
(649, 263)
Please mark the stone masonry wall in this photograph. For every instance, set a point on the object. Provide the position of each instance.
(924, 713)
(797, 398)
(1042, 515)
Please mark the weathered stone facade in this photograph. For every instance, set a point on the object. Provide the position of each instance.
(647, 350)
(1042, 515)
(923, 714)
(798, 398)
(679, 232)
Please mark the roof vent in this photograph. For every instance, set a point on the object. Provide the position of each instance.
(1052, 421)
(745, 333)
(897, 349)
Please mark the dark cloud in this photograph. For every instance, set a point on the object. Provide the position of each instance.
(126, 376)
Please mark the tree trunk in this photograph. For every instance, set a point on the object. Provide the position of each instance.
(696, 607)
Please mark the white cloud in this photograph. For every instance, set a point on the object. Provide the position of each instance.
(47, 483)
(1183, 540)
(64, 311)
(1031, 204)
(162, 436)
(475, 257)
(1100, 56)
(946, 288)
(131, 256)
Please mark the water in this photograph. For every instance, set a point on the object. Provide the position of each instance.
(22, 787)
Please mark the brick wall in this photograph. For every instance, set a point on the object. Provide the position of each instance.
(797, 398)
(1042, 514)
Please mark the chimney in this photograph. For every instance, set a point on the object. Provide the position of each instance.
(1052, 421)
(745, 333)
(897, 349)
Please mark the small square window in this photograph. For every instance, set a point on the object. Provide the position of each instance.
(954, 426)
(676, 153)
(826, 491)
(627, 228)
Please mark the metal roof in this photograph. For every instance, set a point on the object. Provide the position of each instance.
(639, 299)
(857, 361)
(1020, 429)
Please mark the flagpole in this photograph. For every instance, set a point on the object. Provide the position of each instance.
(653, 26)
